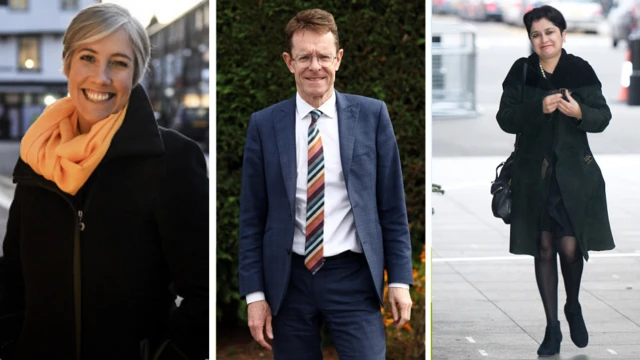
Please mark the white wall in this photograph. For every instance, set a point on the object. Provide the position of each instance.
(40, 16)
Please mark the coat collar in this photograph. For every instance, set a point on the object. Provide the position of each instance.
(285, 131)
(347, 123)
(138, 135)
(571, 72)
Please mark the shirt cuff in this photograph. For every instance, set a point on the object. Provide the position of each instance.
(255, 296)
(392, 285)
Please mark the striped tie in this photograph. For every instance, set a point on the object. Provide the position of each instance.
(313, 248)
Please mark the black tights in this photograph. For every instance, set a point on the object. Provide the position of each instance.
(571, 263)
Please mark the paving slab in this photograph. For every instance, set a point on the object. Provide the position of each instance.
(482, 292)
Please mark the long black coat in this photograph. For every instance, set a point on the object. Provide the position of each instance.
(94, 276)
(578, 174)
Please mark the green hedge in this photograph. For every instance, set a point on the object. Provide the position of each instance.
(384, 58)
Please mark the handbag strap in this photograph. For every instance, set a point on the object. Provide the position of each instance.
(498, 168)
(524, 81)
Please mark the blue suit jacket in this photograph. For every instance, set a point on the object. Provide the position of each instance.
(373, 177)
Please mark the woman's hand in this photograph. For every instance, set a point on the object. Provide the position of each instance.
(570, 108)
(550, 103)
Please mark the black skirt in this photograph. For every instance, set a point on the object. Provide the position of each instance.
(555, 218)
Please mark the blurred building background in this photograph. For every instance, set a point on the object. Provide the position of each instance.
(31, 62)
(178, 78)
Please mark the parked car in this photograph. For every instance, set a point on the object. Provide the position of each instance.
(481, 10)
(581, 15)
(446, 7)
(513, 10)
(623, 19)
(192, 122)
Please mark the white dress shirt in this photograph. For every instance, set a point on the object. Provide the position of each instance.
(339, 226)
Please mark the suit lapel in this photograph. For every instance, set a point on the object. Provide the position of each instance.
(347, 122)
(285, 129)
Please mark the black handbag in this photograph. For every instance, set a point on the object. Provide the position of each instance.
(501, 190)
(501, 186)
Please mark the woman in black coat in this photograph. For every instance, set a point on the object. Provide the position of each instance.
(110, 215)
(551, 100)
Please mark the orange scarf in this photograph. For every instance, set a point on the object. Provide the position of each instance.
(55, 149)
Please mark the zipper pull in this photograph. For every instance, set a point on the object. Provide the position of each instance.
(81, 224)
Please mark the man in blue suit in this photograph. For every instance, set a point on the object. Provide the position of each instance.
(322, 210)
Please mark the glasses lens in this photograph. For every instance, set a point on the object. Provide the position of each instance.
(323, 60)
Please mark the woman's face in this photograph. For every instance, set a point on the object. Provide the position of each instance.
(546, 39)
(101, 77)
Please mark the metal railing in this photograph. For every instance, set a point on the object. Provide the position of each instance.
(453, 59)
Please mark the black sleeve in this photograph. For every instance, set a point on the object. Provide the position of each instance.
(182, 214)
(595, 111)
(11, 281)
(518, 115)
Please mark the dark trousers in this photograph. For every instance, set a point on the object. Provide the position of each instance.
(342, 295)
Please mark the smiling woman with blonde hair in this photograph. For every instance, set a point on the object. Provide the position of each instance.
(551, 100)
(110, 215)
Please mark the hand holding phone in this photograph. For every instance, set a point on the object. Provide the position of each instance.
(564, 93)
(551, 101)
(569, 106)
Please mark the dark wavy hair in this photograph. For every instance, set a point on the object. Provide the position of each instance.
(544, 12)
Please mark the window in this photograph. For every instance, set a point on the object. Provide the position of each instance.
(199, 20)
(18, 4)
(29, 54)
(69, 5)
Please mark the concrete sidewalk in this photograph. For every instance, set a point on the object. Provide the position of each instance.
(486, 302)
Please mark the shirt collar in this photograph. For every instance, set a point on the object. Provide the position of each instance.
(328, 108)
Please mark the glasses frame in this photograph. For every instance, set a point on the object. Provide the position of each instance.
(297, 60)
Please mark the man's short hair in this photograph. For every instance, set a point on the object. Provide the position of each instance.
(315, 20)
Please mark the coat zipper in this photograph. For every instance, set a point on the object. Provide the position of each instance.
(77, 268)
(77, 283)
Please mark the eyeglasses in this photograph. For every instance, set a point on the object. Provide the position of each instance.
(323, 60)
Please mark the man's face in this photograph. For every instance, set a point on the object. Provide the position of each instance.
(313, 61)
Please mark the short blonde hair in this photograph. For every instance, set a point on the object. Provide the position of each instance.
(100, 20)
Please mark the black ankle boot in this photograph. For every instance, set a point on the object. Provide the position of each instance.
(551, 343)
(579, 334)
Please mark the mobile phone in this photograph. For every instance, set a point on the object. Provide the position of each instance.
(563, 91)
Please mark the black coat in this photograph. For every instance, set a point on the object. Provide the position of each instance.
(101, 267)
(541, 136)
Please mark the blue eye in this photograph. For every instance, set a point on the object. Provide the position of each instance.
(88, 58)
(121, 64)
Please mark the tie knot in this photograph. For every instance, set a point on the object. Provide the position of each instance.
(315, 115)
